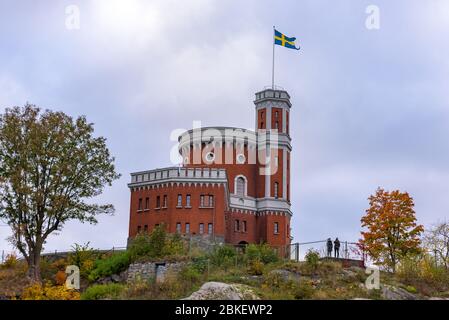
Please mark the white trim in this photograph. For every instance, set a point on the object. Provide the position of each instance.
(246, 185)
(284, 173)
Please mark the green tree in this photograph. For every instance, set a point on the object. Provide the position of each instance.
(50, 167)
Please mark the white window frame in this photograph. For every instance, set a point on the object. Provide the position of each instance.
(245, 191)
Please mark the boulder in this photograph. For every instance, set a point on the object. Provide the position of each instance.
(395, 293)
(223, 291)
(285, 275)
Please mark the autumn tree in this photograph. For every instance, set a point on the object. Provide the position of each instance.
(392, 231)
(51, 166)
(436, 239)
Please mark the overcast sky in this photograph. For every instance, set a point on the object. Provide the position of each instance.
(370, 106)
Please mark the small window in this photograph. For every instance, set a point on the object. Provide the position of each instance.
(139, 229)
(244, 226)
(158, 202)
(147, 203)
(201, 201)
(165, 201)
(276, 227)
(210, 156)
(211, 201)
(145, 228)
(240, 186)
(187, 228)
(178, 227)
(140, 205)
(210, 228)
(201, 228)
(276, 114)
(179, 204)
(276, 125)
(276, 190)
(188, 201)
(236, 225)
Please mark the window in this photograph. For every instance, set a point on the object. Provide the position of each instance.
(147, 203)
(209, 228)
(276, 227)
(139, 229)
(165, 201)
(187, 227)
(140, 205)
(201, 201)
(244, 226)
(158, 202)
(276, 114)
(145, 228)
(276, 125)
(179, 200)
(261, 125)
(178, 227)
(201, 228)
(241, 158)
(240, 186)
(236, 225)
(188, 200)
(211, 201)
(276, 190)
(210, 156)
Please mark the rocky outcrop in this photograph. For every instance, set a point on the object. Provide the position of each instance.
(223, 291)
(285, 275)
(395, 293)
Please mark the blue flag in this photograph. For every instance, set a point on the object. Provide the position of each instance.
(281, 40)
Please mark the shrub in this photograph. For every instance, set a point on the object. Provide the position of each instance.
(49, 292)
(312, 259)
(262, 252)
(256, 267)
(116, 263)
(10, 261)
(190, 273)
(201, 263)
(103, 291)
(83, 256)
(155, 245)
(304, 290)
(223, 256)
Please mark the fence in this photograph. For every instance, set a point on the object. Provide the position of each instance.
(60, 253)
(348, 250)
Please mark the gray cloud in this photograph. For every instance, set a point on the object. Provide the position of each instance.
(370, 107)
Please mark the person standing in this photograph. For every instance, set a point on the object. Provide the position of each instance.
(329, 247)
(337, 248)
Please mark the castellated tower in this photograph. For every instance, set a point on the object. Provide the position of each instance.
(233, 187)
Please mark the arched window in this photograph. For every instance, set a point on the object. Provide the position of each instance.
(240, 186)
(276, 190)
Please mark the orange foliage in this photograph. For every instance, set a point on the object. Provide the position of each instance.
(392, 231)
(60, 277)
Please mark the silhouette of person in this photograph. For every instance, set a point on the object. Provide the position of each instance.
(329, 247)
(337, 248)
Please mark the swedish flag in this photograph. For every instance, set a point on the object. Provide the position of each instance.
(281, 40)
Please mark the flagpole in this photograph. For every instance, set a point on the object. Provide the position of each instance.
(272, 70)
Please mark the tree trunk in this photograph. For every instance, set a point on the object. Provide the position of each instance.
(34, 268)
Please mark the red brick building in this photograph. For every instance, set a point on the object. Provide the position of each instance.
(233, 186)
